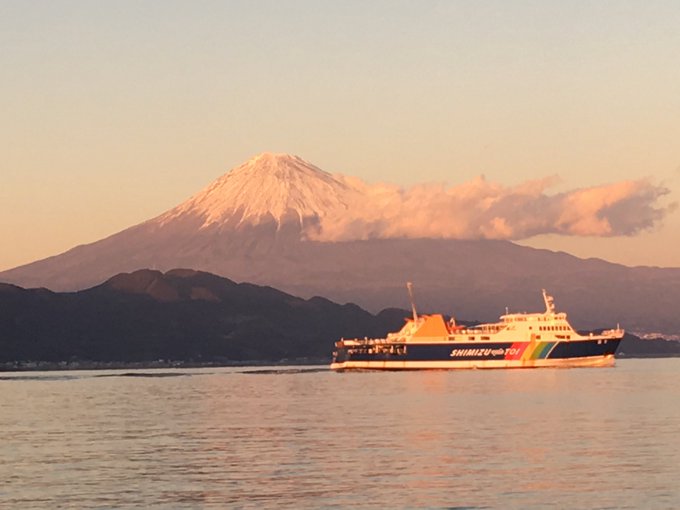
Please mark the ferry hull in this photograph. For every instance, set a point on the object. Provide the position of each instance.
(448, 355)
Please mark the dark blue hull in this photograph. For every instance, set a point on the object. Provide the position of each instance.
(372, 355)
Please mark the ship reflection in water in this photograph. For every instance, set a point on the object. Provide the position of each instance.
(221, 438)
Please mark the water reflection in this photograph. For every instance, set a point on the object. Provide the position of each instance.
(311, 438)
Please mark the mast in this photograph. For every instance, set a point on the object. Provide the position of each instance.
(409, 286)
(549, 303)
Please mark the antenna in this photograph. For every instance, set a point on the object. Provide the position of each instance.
(409, 286)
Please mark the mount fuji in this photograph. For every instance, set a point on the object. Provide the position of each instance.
(278, 220)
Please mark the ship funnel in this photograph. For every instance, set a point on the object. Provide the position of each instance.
(409, 286)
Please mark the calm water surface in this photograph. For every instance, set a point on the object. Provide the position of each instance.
(309, 438)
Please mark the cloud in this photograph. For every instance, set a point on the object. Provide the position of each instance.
(480, 209)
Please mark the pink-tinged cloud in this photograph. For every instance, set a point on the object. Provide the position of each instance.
(480, 209)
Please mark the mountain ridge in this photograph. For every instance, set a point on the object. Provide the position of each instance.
(468, 277)
(180, 314)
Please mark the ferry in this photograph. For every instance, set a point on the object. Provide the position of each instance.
(518, 340)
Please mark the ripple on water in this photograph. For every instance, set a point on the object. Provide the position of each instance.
(304, 437)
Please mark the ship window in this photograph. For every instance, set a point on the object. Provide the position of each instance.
(486, 338)
(471, 338)
(538, 337)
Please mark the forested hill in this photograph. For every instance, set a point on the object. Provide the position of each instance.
(179, 315)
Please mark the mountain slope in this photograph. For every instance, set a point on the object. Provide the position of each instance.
(257, 224)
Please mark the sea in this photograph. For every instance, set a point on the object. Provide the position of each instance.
(306, 437)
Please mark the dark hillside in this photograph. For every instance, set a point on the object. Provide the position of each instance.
(180, 315)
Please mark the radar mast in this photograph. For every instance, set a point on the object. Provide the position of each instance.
(549, 303)
(409, 286)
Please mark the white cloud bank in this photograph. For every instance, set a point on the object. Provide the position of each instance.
(480, 209)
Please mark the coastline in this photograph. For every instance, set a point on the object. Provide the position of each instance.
(54, 366)
(49, 366)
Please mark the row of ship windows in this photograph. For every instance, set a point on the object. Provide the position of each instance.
(527, 319)
(538, 337)
(553, 328)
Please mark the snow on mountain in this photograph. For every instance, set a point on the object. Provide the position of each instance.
(288, 189)
(278, 186)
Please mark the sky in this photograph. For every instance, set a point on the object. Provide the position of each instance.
(113, 112)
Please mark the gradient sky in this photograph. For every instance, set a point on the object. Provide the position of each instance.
(113, 112)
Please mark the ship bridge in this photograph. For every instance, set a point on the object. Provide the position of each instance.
(549, 324)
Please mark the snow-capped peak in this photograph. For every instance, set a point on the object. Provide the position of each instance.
(268, 185)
